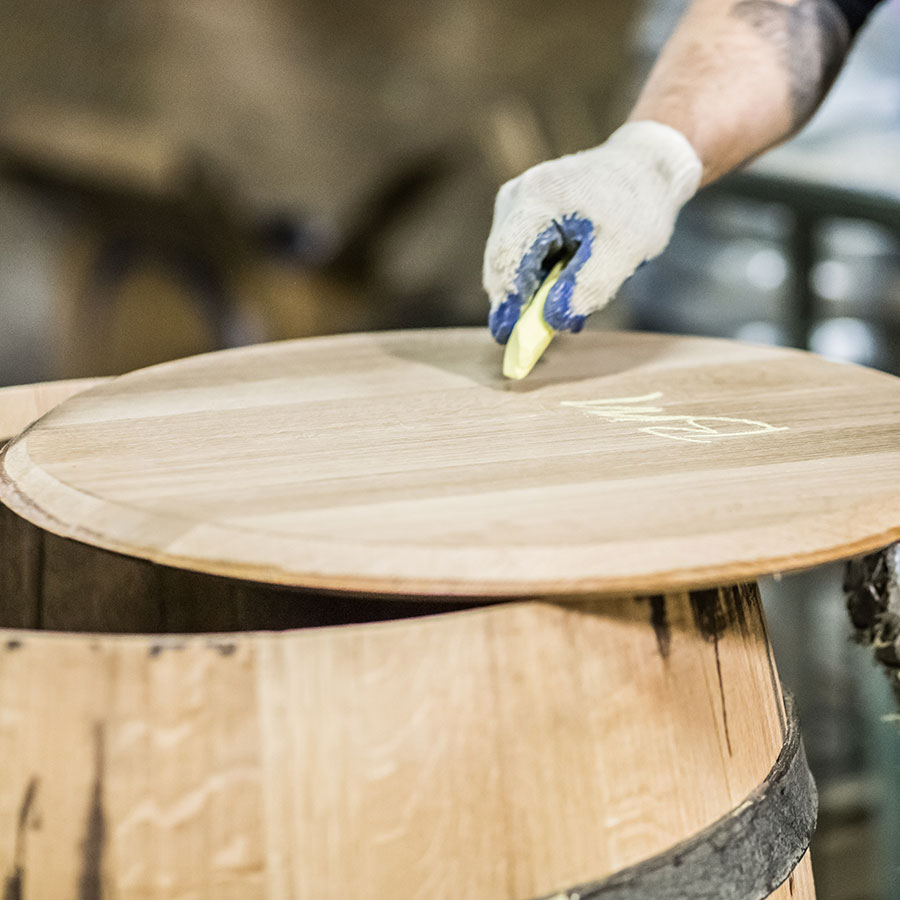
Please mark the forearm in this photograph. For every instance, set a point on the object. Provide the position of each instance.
(738, 76)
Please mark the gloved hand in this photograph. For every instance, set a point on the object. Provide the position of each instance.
(612, 207)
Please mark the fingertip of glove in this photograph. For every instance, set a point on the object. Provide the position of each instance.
(530, 271)
(558, 308)
(503, 318)
(579, 229)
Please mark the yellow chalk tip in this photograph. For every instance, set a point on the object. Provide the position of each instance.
(531, 335)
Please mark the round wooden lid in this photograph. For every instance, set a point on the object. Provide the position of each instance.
(404, 463)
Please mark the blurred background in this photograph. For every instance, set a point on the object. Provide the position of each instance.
(179, 176)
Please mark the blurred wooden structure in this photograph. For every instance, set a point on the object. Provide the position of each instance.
(240, 171)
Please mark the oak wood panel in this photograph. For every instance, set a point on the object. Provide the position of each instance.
(22, 404)
(801, 885)
(504, 752)
(64, 585)
(405, 463)
(59, 584)
(21, 544)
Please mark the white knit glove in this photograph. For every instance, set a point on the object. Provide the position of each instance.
(614, 206)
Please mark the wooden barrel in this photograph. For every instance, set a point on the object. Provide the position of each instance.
(512, 751)
(352, 616)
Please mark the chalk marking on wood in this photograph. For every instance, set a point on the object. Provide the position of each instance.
(694, 429)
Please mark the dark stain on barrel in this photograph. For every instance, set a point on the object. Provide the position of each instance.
(709, 614)
(773, 676)
(711, 619)
(25, 809)
(659, 619)
(14, 885)
(739, 603)
(160, 648)
(90, 882)
(13, 644)
(224, 649)
(791, 884)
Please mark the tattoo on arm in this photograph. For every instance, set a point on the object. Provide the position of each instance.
(811, 39)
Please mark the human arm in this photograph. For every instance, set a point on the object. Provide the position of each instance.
(736, 77)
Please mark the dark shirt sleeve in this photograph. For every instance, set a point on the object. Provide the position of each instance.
(856, 11)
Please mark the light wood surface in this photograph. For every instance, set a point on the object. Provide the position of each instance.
(506, 751)
(404, 463)
(502, 752)
(22, 404)
(58, 584)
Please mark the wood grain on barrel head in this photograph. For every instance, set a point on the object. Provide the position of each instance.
(404, 463)
(22, 404)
